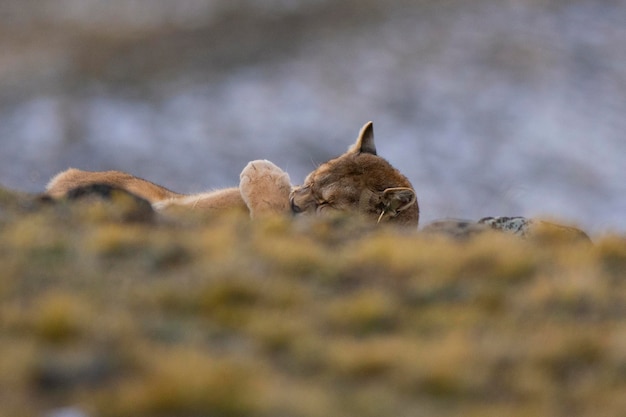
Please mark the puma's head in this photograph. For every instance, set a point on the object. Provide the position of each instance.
(359, 181)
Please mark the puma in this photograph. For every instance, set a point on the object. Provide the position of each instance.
(358, 181)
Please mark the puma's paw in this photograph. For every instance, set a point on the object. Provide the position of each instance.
(265, 188)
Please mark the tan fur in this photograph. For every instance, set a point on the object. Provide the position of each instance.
(62, 183)
(358, 181)
(223, 199)
(264, 189)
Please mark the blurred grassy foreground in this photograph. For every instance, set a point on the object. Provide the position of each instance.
(221, 316)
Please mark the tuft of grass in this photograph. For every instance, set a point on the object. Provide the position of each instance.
(611, 252)
(187, 383)
(117, 240)
(60, 318)
(363, 313)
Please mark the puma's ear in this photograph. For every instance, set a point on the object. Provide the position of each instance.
(398, 199)
(365, 141)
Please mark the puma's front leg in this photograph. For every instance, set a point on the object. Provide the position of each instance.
(265, 188)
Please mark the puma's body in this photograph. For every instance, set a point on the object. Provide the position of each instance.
(358, 181)
(160, 197)
(274, 184)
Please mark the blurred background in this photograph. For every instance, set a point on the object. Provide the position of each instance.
(490, 107)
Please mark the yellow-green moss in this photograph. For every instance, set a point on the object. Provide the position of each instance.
(219, 315)
(185, 382)
(364, 312)
(60, 317)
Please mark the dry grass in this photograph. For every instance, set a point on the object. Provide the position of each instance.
(224, 317)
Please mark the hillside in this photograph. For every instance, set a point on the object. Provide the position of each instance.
(111, 311)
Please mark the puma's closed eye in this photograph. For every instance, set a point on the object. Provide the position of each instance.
(323, 207)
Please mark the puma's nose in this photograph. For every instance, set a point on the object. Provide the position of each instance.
(294, 207)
